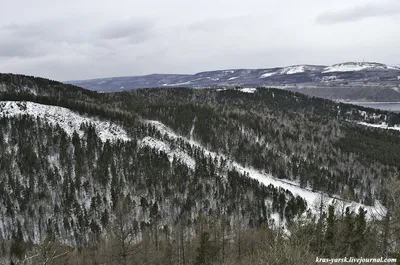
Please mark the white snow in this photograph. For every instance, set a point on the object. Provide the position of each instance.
(192, 129)
(178, 84)
(170, 151)
(393, 67)
(312, 197)
(355, 66)
(293, 69)
(382, 126)
(248, 89)
(290, 70)
(71, 121)
(233, 78)
(397, 89)
(68, 120)
(267, 75)
(329, 78)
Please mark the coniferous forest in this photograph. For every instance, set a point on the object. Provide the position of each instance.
(173, 189)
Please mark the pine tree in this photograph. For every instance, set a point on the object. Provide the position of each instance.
(331, 230)
(207, 252)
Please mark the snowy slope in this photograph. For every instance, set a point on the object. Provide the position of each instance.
(312, 197)
(267, 75)
(293, 69)
(71, 121)
(290, 70)
(68, 120)
(354, 67)
(296, 69)
(170, 151)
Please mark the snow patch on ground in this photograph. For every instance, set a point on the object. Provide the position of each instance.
(397, 89)
(393, 67)
(248, 89)
(290, 70)
(344, 68)
(178, 84)
(354, 66)
(68, 120)
(383, 125)
(329, 78)
(170, 151)
(267, 75)
(233, 78)
(293, 69)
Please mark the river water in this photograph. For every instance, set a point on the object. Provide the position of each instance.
(392, 106)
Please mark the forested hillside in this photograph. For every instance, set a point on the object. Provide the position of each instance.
(186, 176)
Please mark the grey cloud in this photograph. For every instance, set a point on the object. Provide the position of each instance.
(20, 49)
(48, 30)
(220, 22)
(38, 39)
(28, 30)
(22, 41)
(134, 31)
(357, 13)
(101, 38)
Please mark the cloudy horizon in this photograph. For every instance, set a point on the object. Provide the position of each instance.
(77, 40)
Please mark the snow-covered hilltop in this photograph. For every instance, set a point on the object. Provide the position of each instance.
(304, 75)
(68, 120)
(357, 66)
(294, 69)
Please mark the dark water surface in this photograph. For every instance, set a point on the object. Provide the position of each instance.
(392, 106)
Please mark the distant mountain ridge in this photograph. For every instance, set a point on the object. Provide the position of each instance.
(348, 74)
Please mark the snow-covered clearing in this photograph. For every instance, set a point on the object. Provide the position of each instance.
(248, 89)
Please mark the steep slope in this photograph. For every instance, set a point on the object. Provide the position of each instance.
(76, 181)
(171, 157)
(68, 120)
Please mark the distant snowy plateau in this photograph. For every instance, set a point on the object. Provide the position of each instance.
(363, 81)
(71, 121)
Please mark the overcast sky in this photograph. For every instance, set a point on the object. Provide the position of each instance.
(82, 39)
